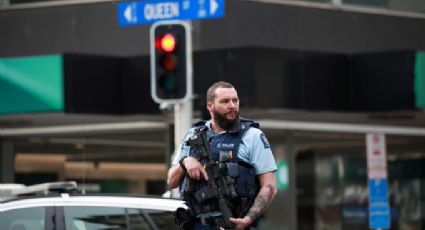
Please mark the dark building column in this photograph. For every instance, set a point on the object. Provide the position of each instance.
(7, 163)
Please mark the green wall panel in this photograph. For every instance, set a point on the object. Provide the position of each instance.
(420, 80)
(31, 84)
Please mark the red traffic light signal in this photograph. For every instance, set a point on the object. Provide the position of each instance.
(166, 43)
(170, 61)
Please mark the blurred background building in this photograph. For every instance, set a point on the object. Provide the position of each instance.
(318, 75)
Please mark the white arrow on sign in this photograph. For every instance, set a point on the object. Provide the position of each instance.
(213, 6)
(128, 13)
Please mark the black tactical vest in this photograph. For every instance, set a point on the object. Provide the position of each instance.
(224, 150)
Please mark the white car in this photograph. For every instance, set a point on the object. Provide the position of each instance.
(68, 211)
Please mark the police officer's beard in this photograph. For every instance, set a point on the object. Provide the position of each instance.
(223, 122)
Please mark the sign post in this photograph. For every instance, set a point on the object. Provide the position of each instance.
(379, 209)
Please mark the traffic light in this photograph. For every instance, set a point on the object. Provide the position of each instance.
(170, 61)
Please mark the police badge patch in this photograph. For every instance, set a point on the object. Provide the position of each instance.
(265, 141)
(225, 155)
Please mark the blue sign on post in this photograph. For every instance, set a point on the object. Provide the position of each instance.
(379, 210)
(150, 11)
(379, 217)
(378, 190)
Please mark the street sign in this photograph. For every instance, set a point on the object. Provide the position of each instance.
(378, 191)
(376, 156)
(379, 209)
(379, 217)
(150, 11)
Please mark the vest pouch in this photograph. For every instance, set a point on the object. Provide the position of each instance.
(232, 169)
(246, 185)
(204, 194)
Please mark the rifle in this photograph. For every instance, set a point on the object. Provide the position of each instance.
(218, 187)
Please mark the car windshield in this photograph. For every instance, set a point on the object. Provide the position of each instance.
(23, 219)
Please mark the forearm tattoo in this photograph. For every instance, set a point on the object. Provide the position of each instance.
(261, 202)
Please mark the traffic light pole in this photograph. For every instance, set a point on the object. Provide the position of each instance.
(182, 123)
(182, 120)
(183, 113)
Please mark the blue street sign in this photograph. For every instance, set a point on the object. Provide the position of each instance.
(379, 217)
(379, 210)
(150, 11)
(378, 190)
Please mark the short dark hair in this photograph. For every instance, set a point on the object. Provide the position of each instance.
(211, 91)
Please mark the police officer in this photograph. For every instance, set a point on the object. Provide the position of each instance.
(226, 130)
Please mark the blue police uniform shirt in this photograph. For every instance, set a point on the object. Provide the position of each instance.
(253, 149)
